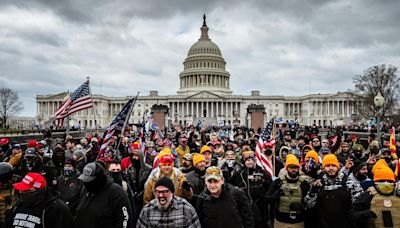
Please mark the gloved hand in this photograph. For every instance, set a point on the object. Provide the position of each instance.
(186, 186)
(369, 214)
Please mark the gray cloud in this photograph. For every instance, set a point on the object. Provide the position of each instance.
(277, 47)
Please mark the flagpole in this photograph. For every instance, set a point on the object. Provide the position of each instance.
(273, 152)
(94, 110)
(126, 122)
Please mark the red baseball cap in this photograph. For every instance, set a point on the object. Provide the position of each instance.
(31, 180)
(135, 146)
(4, 141)
(32, 143)
(166, 159)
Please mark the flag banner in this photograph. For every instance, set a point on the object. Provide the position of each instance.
(118, 125)
(79, 100)
(392, 142)
(262, 159)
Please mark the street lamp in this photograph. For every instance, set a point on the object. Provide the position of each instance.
(379, 101)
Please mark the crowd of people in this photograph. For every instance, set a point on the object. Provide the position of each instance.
(201, 177)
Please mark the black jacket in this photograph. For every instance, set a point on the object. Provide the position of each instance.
(51, 212)
(70, 190)
(232, 209)
(108, 208)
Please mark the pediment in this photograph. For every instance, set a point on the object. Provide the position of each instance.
(205, 95)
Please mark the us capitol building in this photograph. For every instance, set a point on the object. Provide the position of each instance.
(205, 96)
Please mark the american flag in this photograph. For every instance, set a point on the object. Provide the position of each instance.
(79, 100)
(262, 159)
(118, 125)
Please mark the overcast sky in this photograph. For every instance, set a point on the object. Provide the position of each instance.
(278, 47)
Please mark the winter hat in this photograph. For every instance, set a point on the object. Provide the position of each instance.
(70, 161)
(165, 151)
(291, 160)
(247, 154)
(166, 182)
(358, 165)
(312, 154)
(79, 154)
(330, 159)
(384, 173)
(378, 165)
(197, 158)
(205, 149)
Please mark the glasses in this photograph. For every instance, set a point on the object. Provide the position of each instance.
(162, 192)
(325, 142)
(315, 140)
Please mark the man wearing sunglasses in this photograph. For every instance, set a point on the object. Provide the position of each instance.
(379, 205)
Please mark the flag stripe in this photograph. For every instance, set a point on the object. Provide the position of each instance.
(118, 125)
(79, 100)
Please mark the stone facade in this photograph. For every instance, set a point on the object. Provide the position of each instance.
(205, 95)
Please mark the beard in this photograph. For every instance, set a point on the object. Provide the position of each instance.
(293, 175)
(163, 203)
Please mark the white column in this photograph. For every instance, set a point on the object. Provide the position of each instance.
(212, 109)
(216, 107)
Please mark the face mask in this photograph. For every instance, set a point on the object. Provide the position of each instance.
(388, 160)
(32, 198)
(69, 171)
(268, 152)
(117, 176)
(385, 188)
(218, 155)
(230, 163)
(96, 184)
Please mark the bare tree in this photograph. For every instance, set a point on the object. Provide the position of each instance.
(377, 79)
(10, 104)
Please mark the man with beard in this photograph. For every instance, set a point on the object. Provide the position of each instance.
(103, 203)
(358, 153)
(38, 206)
(379, 205)
(355, 178)
(207, 153)
(167, 210)
(255, 182)
(329, 196)
(316, 144)
(196, 177)
(287, 195)
(69, 185)
(186, 164)
(344, 153)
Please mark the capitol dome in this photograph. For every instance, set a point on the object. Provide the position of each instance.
(204, 46)
(204, 67)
